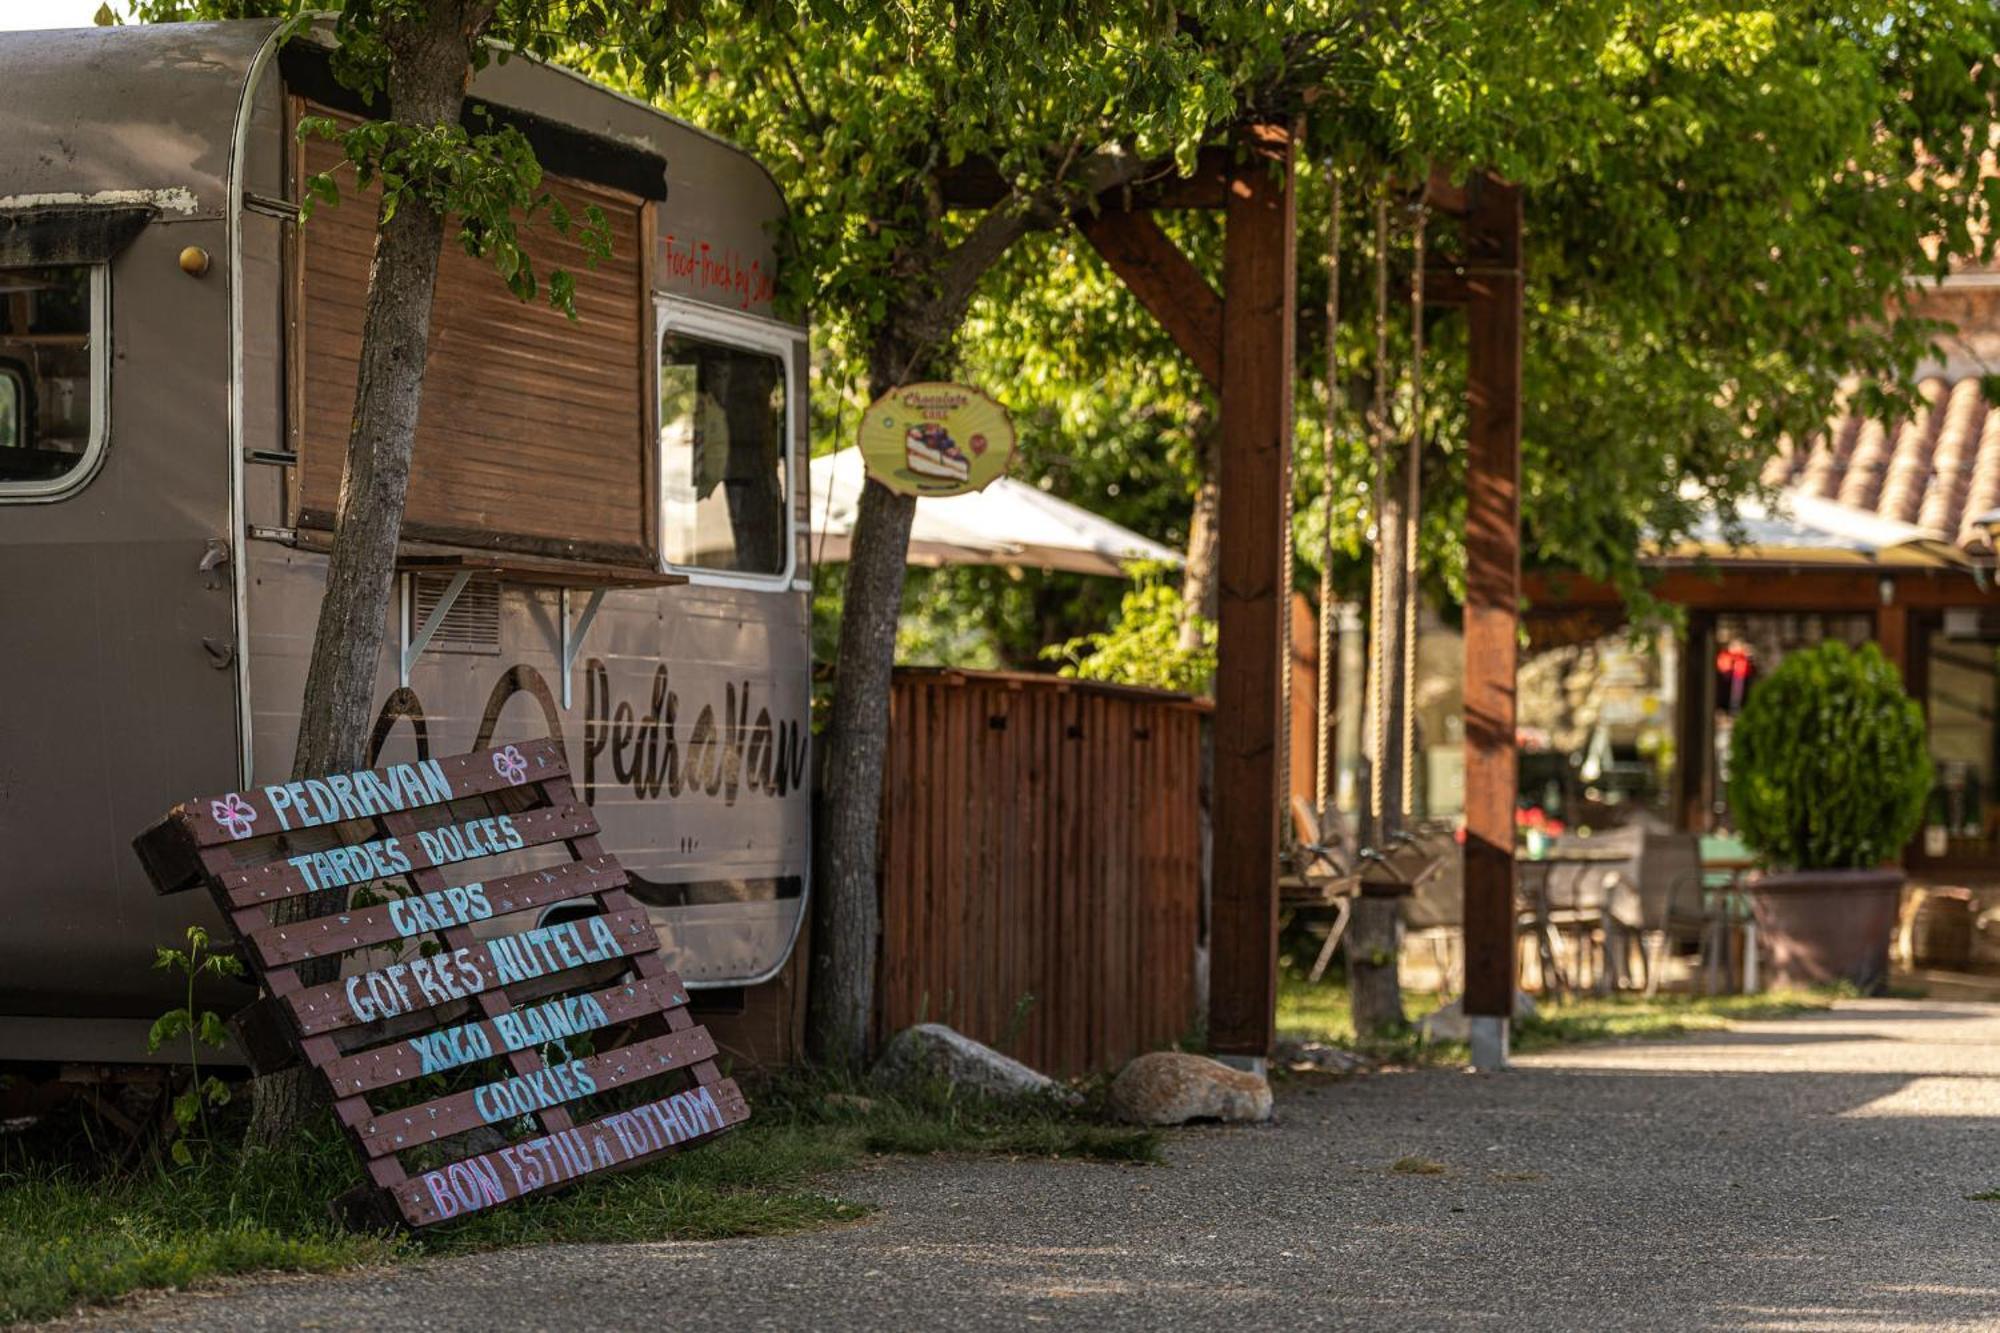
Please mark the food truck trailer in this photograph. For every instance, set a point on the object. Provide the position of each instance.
(605, 535)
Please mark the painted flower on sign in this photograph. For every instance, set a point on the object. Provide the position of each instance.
(234, 813)
(509, 764)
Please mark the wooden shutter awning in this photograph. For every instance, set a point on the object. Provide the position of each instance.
(535, 432)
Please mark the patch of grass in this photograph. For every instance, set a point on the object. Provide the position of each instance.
(1323, 1013)
(935, 1117)
(1634, 1017)
(75, 1236)
(75, 1239)
(1417, 1166)
(1026, 1137)
(1985, 1196)
(1516, 1177)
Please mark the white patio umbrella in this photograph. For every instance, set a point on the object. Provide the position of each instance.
(1008, 523)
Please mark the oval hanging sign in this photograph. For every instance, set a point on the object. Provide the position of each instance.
(936, 439)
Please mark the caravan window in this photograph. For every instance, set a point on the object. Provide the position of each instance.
(51, 372)
(724, 480)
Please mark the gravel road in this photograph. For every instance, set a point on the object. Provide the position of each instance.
(1810, 1173)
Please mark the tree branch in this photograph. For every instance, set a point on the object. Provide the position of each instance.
(932, 322)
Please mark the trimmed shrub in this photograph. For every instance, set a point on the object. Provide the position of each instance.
(1828, 763)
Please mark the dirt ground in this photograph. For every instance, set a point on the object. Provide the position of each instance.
(1810, 1173)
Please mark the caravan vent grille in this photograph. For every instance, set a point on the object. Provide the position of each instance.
(473, 623)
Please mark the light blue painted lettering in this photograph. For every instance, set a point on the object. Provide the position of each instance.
(601, 936)
(440, 789)
(342, 787)
(324, 806)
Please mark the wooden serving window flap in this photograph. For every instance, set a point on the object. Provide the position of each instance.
(533, 435)
(468, 1067)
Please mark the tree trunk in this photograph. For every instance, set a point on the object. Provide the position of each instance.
(1350, 709)
(1388, 675)
(1200, 590)
(1373, 975)
(848, 917)
(914, 345)
(1373, 979)
(429, 68)
(1374, 986)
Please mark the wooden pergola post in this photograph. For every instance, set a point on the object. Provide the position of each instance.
(1259, 289)
(1492, 275)
(1242, 342)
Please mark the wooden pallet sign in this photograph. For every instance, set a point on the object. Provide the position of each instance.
(478, 1046)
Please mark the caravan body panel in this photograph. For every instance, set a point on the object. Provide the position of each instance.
(143, 668)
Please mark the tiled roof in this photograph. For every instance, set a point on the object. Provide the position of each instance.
(1939, 469)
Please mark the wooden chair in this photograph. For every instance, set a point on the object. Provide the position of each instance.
(1673, 904)
(1320, 874)
(1594, 903)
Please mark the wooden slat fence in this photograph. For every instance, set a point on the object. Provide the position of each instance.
(1041, 869)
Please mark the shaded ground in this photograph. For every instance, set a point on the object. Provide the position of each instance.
(1810, 1172)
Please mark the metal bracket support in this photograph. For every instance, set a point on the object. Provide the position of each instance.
(1489, 1042)
(572, 638)
(413, 648)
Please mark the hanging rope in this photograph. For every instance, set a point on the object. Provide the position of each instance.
(1286, 831)
(1323, 755)
(1412, 498)
(1378, 674)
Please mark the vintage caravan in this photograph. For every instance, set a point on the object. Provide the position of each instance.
(605, 532)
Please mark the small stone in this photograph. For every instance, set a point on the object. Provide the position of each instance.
(849, 1101)
(1450, 1024)
(1173, 1087)
(932, 1050)
(1318, 1057)
(1446, 1024)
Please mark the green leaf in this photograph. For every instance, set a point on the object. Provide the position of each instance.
(166, 1027)
(562, 292)
(213, 1031)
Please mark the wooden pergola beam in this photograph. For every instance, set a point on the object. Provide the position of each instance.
(1173, 291)
(1775, 586)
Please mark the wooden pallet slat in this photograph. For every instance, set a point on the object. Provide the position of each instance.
(382, 858)
(339, 799)
(480, 986)
(447, 1048)
(626, 1138)
(480, 968)
(433, 911)
(520, 1095)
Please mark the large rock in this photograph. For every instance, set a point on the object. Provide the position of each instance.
(1172, 1088)
(934, 1051)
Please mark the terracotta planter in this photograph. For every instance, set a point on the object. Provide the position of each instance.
(1827, 926)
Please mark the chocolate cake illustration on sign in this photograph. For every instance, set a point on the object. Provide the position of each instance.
(936, 439)
(933, 453)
